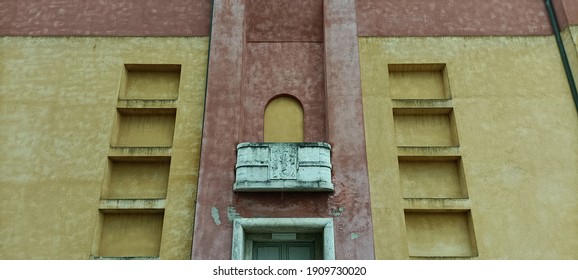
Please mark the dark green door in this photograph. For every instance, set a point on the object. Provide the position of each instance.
(283, 250)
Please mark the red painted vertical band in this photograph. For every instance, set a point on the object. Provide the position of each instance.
(213, 232)
(353, 230)
(242, 74)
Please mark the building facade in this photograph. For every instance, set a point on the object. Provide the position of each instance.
(283, 129)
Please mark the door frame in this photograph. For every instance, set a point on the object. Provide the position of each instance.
(243, 226)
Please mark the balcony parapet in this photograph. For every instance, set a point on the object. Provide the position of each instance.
(283, 167)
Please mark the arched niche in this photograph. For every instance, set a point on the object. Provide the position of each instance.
(283, 120)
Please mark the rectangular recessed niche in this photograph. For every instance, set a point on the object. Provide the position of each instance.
(151, 81)
(435, 177)
(128, 234)
(137, 178)
(440, 234)
(418, 81)
(425, 127)
(144, 128)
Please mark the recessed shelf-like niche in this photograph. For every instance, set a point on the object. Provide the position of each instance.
(418, 81)
(432, 177)
(137, 178)
(440, 233)
(144, 127)
(131, 234)
(433, 127)
(151, 81)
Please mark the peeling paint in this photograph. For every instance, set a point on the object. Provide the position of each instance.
(215, 215)
(232, 213)
(336, 212)
(354, 236)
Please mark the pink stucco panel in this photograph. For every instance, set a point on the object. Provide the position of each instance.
(273, 69)
(566, 12)
(452, 17)
(212, 237)
(285, 20)
(105, 18)
(346, 134)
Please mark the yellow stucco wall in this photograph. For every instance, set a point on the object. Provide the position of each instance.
(516, 148)
(58, 102)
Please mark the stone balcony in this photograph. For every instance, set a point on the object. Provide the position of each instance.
(283, 167)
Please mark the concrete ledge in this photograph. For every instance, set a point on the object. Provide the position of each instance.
(283, 166)
(435, 153)
(284, 185)
(132, 204)
(131, 152)
(138, 258)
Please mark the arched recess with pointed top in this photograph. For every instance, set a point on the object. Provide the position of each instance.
(283, 120)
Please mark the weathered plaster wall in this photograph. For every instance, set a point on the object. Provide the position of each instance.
(285, 21)
(213, 228)
(345, 132)
(272, 69)
(518, 140)
(59, 99)
(451, 18)
(191, 18)
(116, 18)
(243, 76)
